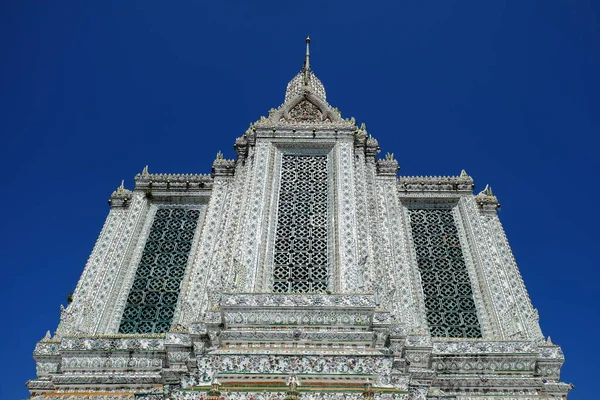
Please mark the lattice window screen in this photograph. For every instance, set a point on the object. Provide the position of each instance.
(300, 257)
(153, 297)
(446, 284)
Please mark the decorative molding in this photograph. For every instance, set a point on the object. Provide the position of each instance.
(456, 185)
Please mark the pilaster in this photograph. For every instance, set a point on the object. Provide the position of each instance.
(195, 299)
(516, 317)
(108, 257)
(346, 213)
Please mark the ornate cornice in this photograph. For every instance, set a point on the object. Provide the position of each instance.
(460, 185)
(168, 186)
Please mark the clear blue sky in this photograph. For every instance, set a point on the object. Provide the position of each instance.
(90, 92)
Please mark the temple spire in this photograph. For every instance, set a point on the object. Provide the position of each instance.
(307, 56)
(306, 67)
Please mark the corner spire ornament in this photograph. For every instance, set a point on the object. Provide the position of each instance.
(487, 191)
(120, 197)
(486, 199)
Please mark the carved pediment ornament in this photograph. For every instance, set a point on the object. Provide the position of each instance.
(305, 108)
(305, 111)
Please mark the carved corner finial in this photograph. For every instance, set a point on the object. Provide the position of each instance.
(363, 126)
(252, 128)
(223, 167)
(47, 336)
(120, 197)
(388, 166)
(121, 189)
(486, 199)
(463, 174)
(145, 171)
(487, 191)
(549, 341)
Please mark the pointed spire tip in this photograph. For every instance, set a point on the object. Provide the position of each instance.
(307, 56)
(306, 66)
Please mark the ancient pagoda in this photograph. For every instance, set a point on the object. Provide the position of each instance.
(306, 268)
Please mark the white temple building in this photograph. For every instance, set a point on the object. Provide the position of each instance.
(306, 268)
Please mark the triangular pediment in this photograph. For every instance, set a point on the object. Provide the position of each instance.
(305, 108)
(305, 111)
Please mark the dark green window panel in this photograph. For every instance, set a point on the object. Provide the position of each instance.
(153, 296)
(446, 285)
(300, 257)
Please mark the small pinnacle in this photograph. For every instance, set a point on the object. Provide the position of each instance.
(463, 174)
(145, 170)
